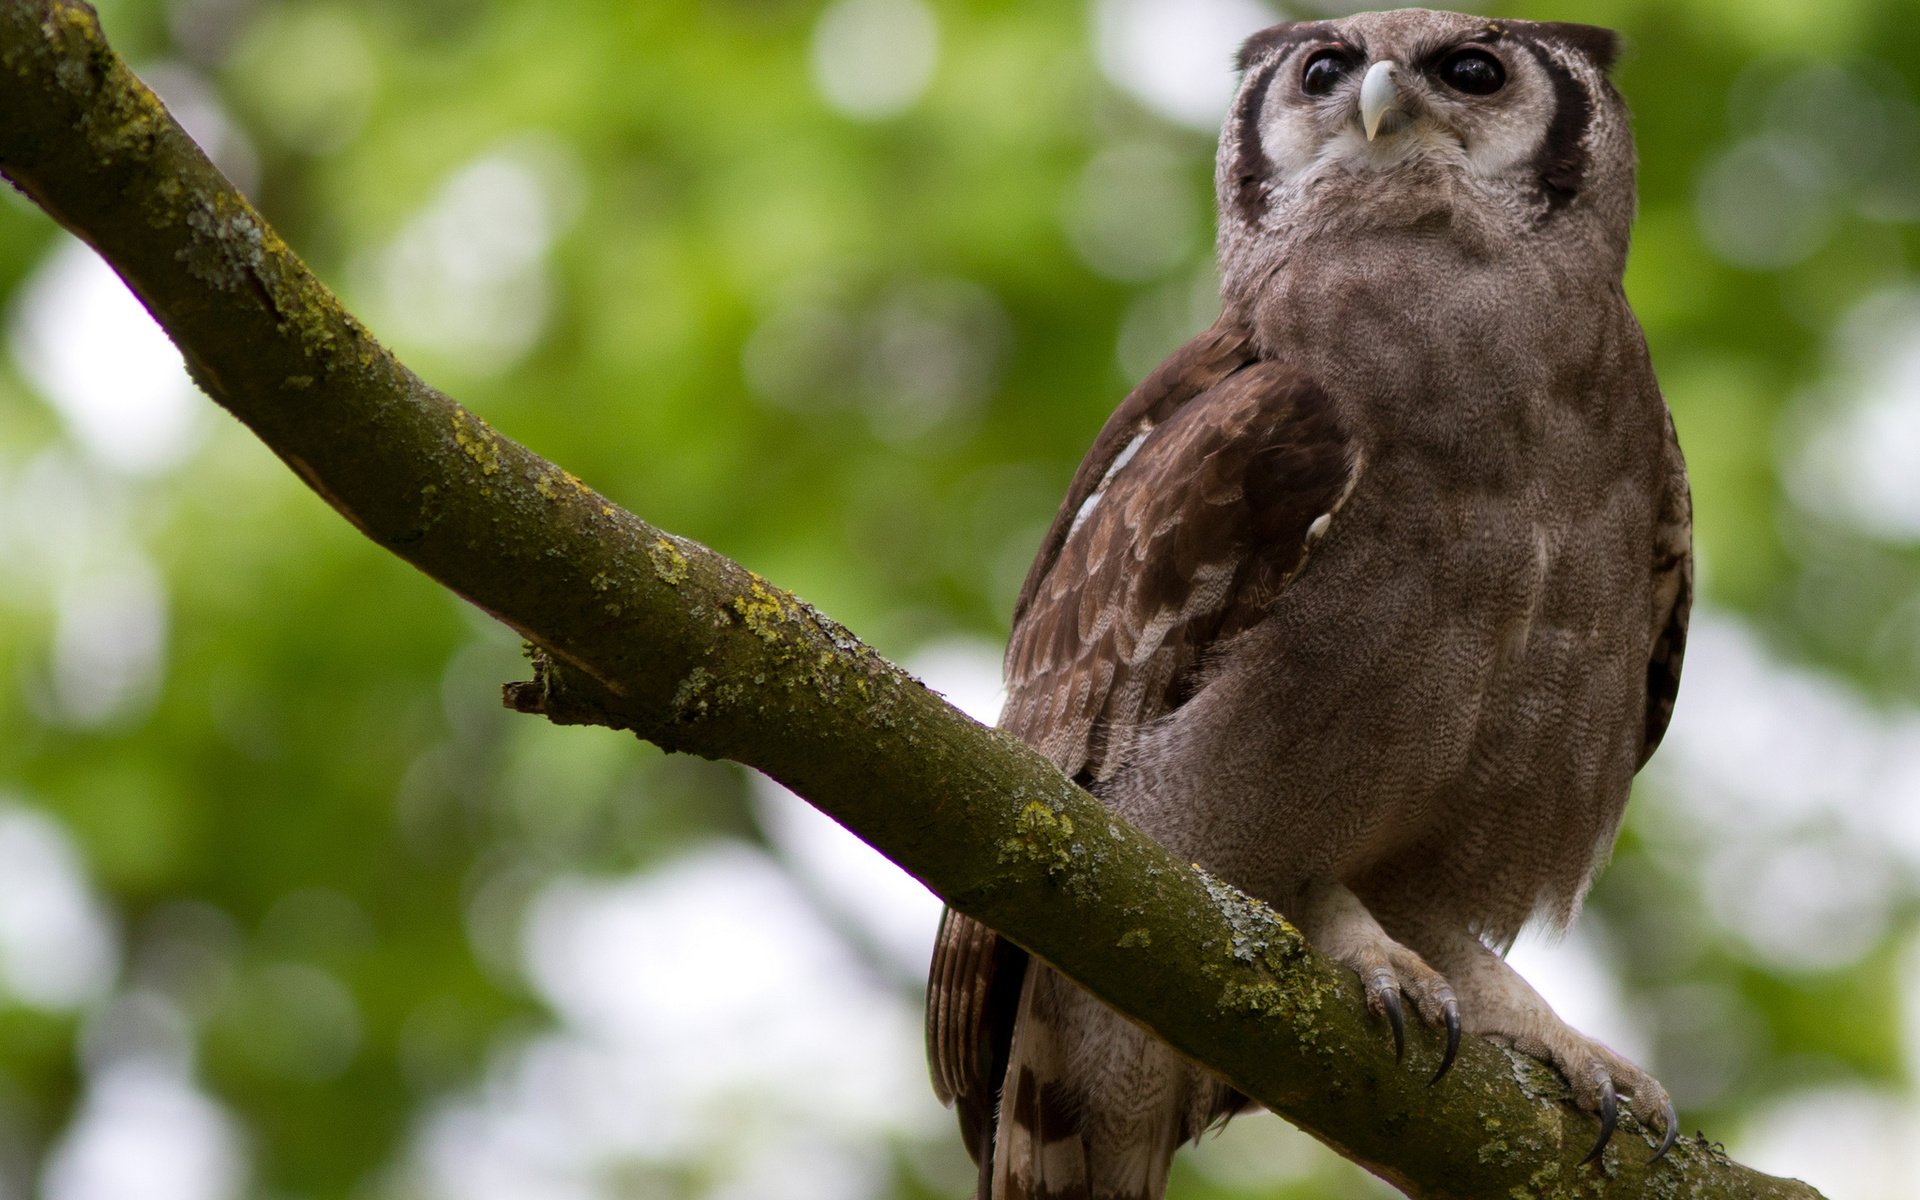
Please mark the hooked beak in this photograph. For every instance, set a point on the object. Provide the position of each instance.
(1377, 95)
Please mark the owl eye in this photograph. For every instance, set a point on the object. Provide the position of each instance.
(1322, 71)
(1474, 72)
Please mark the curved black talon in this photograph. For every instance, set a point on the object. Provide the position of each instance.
(1672, 1135)
(1609, 1114)
(1391, 999)
(1451, 1013)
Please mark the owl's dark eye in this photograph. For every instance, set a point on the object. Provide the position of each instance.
(1322, 71)
(1474, 72)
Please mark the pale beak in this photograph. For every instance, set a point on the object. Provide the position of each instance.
(1377, 95)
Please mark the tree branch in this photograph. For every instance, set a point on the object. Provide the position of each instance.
(645, 631)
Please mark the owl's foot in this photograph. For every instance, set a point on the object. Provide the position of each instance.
(1599, 1079)
(1500, 1005)
(1340, 927)
(1610, 1114)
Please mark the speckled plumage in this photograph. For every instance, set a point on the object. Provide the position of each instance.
(1372, 598)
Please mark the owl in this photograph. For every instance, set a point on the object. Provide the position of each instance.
(1370, 599)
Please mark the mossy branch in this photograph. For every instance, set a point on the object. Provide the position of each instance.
(641, 630)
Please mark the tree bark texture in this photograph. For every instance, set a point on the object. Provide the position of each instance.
(640, 630)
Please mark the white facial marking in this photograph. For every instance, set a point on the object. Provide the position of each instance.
(1509, 139)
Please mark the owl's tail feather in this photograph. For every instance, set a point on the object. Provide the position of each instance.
(1092, 1106)
(1038, 1153)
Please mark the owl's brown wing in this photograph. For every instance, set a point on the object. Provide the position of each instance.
(1672, 593)
(1188, 372)
(1181, 528)
(1196, 505)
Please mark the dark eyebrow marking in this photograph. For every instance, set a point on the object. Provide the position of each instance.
(1250, 162)
(1598, 43)
(1562, 161)
(1282, 38)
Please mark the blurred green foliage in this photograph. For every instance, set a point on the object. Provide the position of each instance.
(860, 352)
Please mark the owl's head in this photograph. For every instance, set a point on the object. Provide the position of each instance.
(1416, 117)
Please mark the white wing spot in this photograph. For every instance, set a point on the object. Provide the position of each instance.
(1119, 460)
(1319, 526)
(1086, 510)
(1124, 457)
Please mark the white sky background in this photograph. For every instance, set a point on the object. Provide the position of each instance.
(89, 349)
(709, 1024)
(1176, 56)
(144, 1130)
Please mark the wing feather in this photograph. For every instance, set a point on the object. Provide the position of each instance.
(1672, 595)
(1187, 372)
(1197, 503)
(1185, 544)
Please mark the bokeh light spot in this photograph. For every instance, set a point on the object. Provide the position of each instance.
(874, 58)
